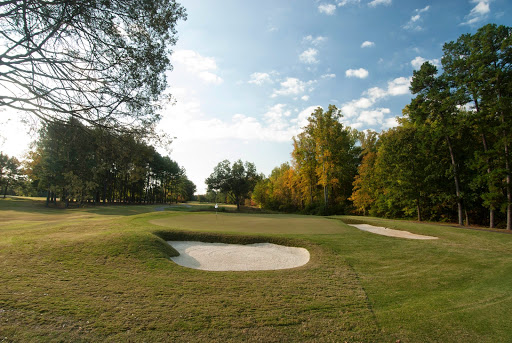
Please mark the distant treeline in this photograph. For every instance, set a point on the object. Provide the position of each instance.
(81, 164)
(448, 160)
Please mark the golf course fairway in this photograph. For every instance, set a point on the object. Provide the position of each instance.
(105, 273)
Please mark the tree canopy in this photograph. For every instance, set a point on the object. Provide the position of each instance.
(75, 163)
(324, 162)
(237, 180)
(102, 62)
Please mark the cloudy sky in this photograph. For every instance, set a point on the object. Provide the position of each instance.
(247, 74)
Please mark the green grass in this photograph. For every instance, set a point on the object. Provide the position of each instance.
(104, 274)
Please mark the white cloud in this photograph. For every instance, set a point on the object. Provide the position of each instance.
(359, 73)
(479, 12)
(418, 61)
(210, 77)
(424, 9)
(481, 8)
(305, 97)
(293, 86)
(187, 121)
(348, 2)
(328, 76)
(309, 56)
(200, 66)
(399, 86)
(352, 108)
(314, 40)
(373, 117)
(356, 125)
(359, 112)
(260, 78)
(389, 123)
(376, 93)
(328, 9)
(276, 117)
(367, 44)
(414, 22)
(376, 3)
(302, 118)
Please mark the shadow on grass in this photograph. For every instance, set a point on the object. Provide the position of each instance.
(38, 206)
(209, 237)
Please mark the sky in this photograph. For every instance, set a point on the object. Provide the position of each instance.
(247, 74)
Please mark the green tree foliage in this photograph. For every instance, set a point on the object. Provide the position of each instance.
(103, 62)
(237, 180)
(457, 127)
(435, 106)
(83, 165)
(479, 67)
(9, 173)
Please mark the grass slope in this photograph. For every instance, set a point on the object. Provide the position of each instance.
(104, 274)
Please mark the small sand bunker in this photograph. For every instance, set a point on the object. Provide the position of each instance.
(390, 232)
(237, 257)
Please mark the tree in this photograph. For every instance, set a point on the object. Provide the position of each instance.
(436, 106)
(102, 62)
(305, 164)
(280, 191)
(325, 152)
(363, 195)
(9, 172)
(80, 164)
(403, 161)
(479, 68)
(237, 180)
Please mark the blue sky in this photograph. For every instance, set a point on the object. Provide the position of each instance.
(248, 73)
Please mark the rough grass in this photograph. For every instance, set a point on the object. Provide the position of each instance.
(104, 274)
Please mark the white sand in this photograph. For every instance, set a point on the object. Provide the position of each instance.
(390, 232)
(237, 257)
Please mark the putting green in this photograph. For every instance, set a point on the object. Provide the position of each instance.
(252, 223)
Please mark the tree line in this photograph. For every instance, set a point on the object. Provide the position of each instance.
(76, 163)
(447, 160)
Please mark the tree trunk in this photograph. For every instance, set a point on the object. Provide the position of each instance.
(326, 195)
(484, 143)
(418, 209)
(509, 190)
(65, 197)
(491, 209)
(5, 188)
(456, 180)
(311, 193)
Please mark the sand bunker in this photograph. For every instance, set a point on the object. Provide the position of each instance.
(237, 257)
(390, 232)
